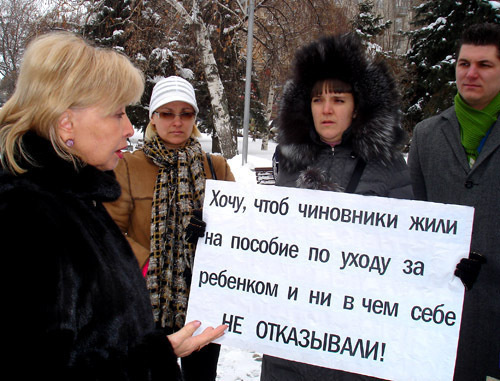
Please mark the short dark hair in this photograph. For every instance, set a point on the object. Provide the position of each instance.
(331, 85)
(482, 34)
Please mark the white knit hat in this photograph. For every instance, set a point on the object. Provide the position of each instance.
(169, 90)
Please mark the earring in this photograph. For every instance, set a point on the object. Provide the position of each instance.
(70, 142)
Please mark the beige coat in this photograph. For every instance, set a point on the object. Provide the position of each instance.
(132, 211)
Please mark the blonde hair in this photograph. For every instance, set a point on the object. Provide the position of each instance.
(60, 70)
(151, 132)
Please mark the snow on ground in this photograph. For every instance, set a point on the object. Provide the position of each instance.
(255, 158)
(237, 364)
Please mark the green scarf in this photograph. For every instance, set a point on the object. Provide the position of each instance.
(180, 188)
(474, 124)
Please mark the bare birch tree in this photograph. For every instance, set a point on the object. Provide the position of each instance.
(193, 18)
(17, 23)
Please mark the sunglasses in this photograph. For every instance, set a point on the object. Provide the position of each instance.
(170, 116)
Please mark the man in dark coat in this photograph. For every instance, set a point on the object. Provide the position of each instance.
(455, 158)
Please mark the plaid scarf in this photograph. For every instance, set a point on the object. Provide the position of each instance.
(180, 188)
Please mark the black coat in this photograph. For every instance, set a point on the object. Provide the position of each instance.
(78, 305)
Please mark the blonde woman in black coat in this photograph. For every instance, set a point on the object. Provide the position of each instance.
(78, 308)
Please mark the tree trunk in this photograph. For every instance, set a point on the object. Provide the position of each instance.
(215, 143)
(269, 111)
(222, 122)
(220, 108)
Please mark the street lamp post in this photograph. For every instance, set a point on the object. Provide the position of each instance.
(248, 82)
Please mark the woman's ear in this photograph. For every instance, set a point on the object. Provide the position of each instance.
(65, 126)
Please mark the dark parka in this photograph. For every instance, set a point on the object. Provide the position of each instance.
(76, 303)
(374, 136)
(440, 173)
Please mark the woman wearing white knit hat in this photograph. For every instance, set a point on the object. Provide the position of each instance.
(163, 187)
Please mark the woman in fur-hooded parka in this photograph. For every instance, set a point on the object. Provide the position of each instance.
(374, 136)
(304, 160)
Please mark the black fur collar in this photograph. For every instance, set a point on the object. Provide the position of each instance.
(55, 174)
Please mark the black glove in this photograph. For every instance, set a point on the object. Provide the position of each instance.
(196, 227)
(468, 269)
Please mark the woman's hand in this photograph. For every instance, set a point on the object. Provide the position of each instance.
(196, 227)
(184, 343)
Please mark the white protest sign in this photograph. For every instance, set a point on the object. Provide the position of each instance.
(357, 283)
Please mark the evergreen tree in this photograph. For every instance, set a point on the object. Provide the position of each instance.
(134, 28)
(430, 81)
(367, 25)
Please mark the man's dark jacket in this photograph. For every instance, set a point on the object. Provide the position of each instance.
(441, 173)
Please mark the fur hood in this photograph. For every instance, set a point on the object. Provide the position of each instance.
(375, 133)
